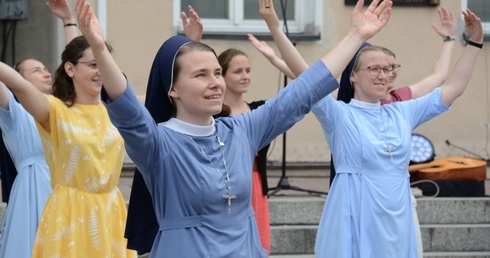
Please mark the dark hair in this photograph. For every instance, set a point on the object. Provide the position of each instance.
(63, 87)
(225, 58)
(19, 65)
(177, 66)
(224, 61)
(191, 46)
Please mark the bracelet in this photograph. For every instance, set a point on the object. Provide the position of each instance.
(472, 43)
(448, 38)
(70, 24)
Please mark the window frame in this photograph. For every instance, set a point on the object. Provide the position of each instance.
(236, 25)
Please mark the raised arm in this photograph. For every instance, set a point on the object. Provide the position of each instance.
(4, 96)
(193, 27)
(288, 51)
(35, 102)
(363, 26)
(460, 75)
(62, 10)
(114, 81)
(441, 67)
(269, 53)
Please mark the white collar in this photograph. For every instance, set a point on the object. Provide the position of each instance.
(362, 104)
(187, 128)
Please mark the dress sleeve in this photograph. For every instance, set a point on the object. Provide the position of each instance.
(137, 127)
(289, 106)
(8, 117)
(420, 110)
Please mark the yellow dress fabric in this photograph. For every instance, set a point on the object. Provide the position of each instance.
(85, 215)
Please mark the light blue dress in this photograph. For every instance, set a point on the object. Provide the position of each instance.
(31, 187)
(368, 208)
(187, 189)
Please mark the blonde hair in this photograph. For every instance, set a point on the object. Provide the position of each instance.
(363, 51)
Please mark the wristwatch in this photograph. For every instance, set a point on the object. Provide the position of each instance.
(449, 38)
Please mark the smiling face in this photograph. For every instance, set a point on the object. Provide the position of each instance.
(36, 73)
(237, 77)
(86, 77)
(198, 88)
(392, 79)
(368, 87)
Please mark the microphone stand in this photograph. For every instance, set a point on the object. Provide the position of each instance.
(467, 151)
(283, 183)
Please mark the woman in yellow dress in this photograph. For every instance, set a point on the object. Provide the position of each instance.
(85, 215)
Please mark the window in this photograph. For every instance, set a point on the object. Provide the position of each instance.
(482, 9)
(237, 17)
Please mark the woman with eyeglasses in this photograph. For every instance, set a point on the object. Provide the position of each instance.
(85, 214)
(368, 211)
(25, 174)
(373, 182)
(437, 76)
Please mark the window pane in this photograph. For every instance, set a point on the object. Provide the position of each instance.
(481, 8)
(213, 9)
(251, 9)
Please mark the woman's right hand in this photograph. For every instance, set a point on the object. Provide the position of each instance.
(447, 27)
(262, 47)
(366, 24)
(266, 8)
(473, 26)
(89, 25)
(61, 9)
(193, 27)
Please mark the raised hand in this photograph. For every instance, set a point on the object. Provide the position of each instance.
(262, 47)
(366, 24)
(89, 25)
(269, 53)
(61, 9)
(473, 26)
(447, 27)
(193, 27)
(462, 71)
(266, 8)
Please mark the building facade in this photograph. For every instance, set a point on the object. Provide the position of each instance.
(136, 30)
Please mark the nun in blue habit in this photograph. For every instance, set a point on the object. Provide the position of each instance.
(345, 94)
(191, 196)
(197, 169)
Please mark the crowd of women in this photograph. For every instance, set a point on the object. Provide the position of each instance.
(200, 188)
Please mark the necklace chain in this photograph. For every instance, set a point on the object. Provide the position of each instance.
(228, 196)
(388, 147)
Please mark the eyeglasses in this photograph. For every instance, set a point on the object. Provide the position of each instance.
(396, 67)
(90, 64)
(375, 71)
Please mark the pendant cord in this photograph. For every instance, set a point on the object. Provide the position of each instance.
(383, 135)
(228, 196)
(388, 147)
(221, 144)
